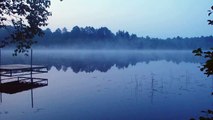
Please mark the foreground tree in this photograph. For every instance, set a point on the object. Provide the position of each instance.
(23, 19)
(207, 67)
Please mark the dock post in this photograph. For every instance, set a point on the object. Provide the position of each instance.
(0, 65)
(1, 97)
(31, 66)
(32, 101)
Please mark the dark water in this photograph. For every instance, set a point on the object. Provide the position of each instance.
(121, 85)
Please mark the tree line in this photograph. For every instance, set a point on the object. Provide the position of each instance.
(103, 38)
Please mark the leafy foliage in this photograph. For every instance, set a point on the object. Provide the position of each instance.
(207, 67)
(209, 14)
(208, 116)
(26, 18)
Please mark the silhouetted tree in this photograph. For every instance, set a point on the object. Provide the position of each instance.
(90, 32)
(210, 13)
(64, 30)
(104, 33)
(207, 67)
(26, 18)
(76, 32)
(46, 39)
(122, 35)
(133, 36)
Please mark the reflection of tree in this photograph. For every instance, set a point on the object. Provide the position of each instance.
(90, 62)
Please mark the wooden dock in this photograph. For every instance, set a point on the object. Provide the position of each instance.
(15, 78)
(22, 73)
(15, 67)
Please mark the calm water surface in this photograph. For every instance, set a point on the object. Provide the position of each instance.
(122, 85)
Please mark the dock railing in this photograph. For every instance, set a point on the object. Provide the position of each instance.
(22, 72)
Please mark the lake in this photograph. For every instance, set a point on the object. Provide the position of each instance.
(111, 85)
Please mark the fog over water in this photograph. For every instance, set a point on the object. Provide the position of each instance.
(111, 85)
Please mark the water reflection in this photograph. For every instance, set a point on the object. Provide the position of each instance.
(18, 87)
(84, 61)
(113, 85)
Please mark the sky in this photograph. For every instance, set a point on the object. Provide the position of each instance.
(154, 18)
